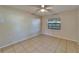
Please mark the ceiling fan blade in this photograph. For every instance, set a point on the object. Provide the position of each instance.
(49, 8)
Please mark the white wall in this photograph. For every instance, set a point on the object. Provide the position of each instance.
(16, 25)
(68, 26)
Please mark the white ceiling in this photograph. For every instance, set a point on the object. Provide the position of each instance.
(56, 8)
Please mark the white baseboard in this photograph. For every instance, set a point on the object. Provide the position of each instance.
(36, 34)
(59, 37)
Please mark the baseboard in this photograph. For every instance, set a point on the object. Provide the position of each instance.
(59, 37)
(36, 34)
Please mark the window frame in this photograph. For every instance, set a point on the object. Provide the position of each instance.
(54, 25)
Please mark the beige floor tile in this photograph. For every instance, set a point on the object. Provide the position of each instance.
(19, 48)
(77, 48)
(0, 50)
(61, 47)
(9, 49)
(71, 47)
(43, 44)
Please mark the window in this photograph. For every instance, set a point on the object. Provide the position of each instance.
(54, 23)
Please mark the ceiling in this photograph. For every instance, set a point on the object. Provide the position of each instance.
(56, 8)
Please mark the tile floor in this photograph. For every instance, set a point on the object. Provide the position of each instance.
(43, 44)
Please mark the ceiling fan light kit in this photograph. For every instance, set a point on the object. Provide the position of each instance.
(42, 6)
(43, 10)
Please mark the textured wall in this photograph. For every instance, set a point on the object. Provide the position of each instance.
(16, 25)
(68, 26)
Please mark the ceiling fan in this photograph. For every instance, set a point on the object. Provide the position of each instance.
(45, 8)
